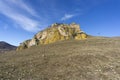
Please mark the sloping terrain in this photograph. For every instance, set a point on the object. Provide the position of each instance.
(6, 47)
(91, 59)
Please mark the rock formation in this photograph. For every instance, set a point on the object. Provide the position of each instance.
(56, 32)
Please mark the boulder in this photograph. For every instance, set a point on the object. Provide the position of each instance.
(56, 32)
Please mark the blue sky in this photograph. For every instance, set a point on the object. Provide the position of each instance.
(22, 19)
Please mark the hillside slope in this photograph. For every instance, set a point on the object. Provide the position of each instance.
(90, 59)
(6, 47)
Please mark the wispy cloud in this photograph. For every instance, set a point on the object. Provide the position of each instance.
(67, 16)
(22, 20)
(24, 6)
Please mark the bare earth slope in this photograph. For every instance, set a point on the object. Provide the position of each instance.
(90, 59)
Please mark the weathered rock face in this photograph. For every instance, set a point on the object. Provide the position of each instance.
(55, 32)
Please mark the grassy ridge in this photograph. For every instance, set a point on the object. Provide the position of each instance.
(91, 59)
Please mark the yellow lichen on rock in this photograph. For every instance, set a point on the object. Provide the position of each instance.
(24, 45)
(56, 32)
(81, 36)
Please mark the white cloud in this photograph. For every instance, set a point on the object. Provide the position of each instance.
(25, 22)
(67, 16)
(22, 5)
(22, 20)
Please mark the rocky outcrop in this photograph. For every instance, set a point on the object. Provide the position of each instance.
(56, 32)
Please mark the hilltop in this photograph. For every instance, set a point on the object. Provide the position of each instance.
(96, 58)
(63, 52)
(6, 47)
(56, 32)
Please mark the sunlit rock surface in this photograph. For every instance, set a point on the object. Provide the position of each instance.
(56, 32)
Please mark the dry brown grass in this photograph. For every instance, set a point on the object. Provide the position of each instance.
(91, 59)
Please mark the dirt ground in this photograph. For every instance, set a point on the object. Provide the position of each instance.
(96, 58)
